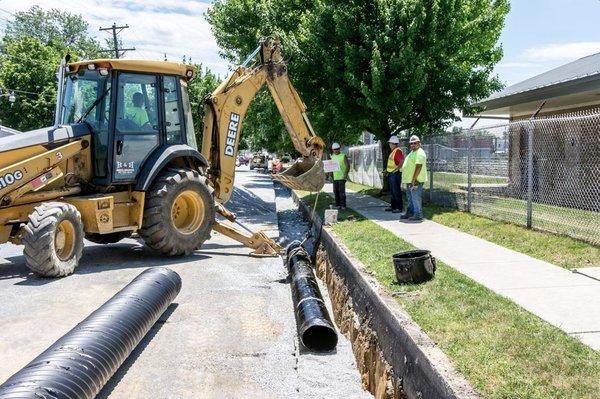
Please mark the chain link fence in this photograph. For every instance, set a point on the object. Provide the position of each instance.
(543, 173)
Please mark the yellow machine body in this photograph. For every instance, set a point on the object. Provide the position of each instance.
(31, 175)
(57, 165)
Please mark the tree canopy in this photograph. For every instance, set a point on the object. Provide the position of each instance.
(204, 83)
(376, 65)
(29, 68)
(32, 46)
(253, 20)
(63, 31)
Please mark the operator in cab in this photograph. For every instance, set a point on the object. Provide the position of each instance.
(138, 114)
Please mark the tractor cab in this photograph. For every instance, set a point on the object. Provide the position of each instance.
(134, 109)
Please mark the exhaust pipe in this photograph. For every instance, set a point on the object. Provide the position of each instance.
(60, 75)
(316, 330)
(80, 363)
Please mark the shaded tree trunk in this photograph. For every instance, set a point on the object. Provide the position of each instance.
(383, 137)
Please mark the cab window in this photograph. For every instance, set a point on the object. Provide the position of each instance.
(173, 119)
(189, 121)
(136, 106)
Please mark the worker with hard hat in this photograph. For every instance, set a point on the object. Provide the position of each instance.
(340, 176)
(414, 175)
(394, 174)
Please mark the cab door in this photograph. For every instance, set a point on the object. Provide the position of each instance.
(137, 126)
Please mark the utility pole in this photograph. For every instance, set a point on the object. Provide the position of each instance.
(119, 52)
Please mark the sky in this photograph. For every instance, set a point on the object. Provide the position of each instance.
(538, 34)
(156, 27)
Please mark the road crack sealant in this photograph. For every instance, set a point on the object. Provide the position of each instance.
(375, 371)
(320, 375)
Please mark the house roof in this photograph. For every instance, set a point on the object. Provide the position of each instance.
(572, 85)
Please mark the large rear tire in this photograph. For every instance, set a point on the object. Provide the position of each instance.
(109, 238)
(179, 212)
(53, 239)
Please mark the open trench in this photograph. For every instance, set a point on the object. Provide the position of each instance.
(375, 373)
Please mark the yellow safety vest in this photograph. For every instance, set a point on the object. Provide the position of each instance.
(391, 165)
(340, 159)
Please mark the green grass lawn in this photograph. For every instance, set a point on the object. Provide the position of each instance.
(452, 180)
(557, 249)
(503, 350)
(577, 223)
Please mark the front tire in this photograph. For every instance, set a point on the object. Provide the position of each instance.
(179, 212)
(53, 239)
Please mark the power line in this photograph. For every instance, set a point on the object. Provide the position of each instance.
(19, 91)
(10, 94)
(175, 57)
(119, 52)
(136, 38)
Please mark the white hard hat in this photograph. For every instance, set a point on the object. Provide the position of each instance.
(335, 146)
(414, 139)
(394, 140)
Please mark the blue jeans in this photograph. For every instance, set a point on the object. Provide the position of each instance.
(415, 200)
(396, 190)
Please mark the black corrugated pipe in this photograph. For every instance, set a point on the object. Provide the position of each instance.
(315, 327)
(84, 359)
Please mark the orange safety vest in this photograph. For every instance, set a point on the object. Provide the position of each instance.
(391, 164)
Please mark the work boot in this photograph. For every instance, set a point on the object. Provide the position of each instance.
(389, 209)
(405, 216)
(415, 219)
(396, 211)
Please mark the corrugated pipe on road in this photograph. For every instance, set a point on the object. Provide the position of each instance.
(83, 360)
(316, 330)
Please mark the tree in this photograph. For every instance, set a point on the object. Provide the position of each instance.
(238, 25)
(264, 128)
(29, 67)
(204, 83)
(32, 47)
(63, 31)
(378, 65)
(394, 65)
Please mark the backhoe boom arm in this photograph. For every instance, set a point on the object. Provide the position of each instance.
(226, 108)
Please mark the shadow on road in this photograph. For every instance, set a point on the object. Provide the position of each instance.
(135, 354)
(99, 258)
(249, 206)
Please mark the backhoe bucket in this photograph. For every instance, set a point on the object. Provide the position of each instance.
(306, 174)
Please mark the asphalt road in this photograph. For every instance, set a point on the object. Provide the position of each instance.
(230, 333)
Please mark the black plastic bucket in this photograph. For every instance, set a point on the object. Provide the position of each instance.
(414, 267)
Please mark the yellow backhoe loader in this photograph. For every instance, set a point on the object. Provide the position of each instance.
(122, 158)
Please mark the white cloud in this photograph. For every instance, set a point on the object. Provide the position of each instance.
(156, 27)
(561, 52)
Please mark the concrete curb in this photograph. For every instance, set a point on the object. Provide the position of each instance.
(425, 371)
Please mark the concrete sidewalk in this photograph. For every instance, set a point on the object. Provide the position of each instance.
(567, 300)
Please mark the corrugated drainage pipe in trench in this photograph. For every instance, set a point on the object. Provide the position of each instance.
(316, 330)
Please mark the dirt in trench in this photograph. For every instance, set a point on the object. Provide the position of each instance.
(376, 373)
